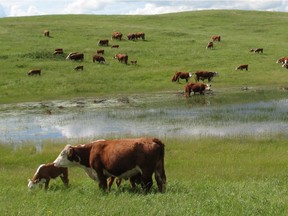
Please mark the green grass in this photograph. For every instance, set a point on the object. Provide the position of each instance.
(205, 176)
(173, 42)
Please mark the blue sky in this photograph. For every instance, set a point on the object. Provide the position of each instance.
(11, 8)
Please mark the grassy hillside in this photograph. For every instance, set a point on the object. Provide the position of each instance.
(173, 42)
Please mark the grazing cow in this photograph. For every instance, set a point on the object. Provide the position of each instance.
(116, 35)
(121, 158)
(210, 45)
(98, 58)
(46, 33)
(242, 67)
(140, 35)
(114, 46)
(202, 75)
(196, 87)
(131, 36)
(216, 38)
(103, 43)
(257, 50)
(181, 75)
(34, 72)
(122, 58)
(47, 171)
(79, 67)
(58, 51)
(283, 60)
(75, 56)
(133, 62)
(100, 51)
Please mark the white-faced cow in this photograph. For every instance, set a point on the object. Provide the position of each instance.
(257, 50)
(75, 56)
(216, 38)
(196, 87)
(121, 158)
(202, 75)
(123, 58)
(181, 75)
(116, 35)
(242, 67)
(58, 51)
(210, 45)
(283, 60)
(98, 58)
(103, 42)
(34, 72)
(47, 171)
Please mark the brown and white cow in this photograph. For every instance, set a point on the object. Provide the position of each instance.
(131, 36)
(140, 35)
(216, 38)
(283, 60)
(34, 72)
(75, 56)
(103, 42)
(257, 50)
(58, 51)
(100, 52)
(123, 58)
(181, 75)
(210, 45)
(46, 33)
(202, 75)
(116, 35)
(121, 158)
(47, 171)
(242, 67)
(196, 87)
(98, 58)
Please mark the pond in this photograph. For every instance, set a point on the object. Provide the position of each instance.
(96, 119)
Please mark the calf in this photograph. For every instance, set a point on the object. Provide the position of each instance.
(210, 45)
(34, 72)
(257, 50)
(58, 51)
(133, 62)
(79, 67)
(47, 171)
(242, 67)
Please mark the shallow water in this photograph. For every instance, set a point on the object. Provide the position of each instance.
(34, 123)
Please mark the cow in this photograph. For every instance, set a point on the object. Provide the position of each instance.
(242, 67)
(133, 62)
(121, 158)
(196, 87)
(131, 36)
(103, 43)
(98, 58)
(181, 75)
(114, 46)
(75, 56)
(202, 75)
(210, 45)
(140, 35)
(257, 50)
(283, 60)
(117, 35)
(216, 38)
(123, 58)
(100, 51)
(58, 51)
(79, 67)
(47, 171)
(34, 72)
(46, 33)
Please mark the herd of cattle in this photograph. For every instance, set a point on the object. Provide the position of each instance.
(136, 159)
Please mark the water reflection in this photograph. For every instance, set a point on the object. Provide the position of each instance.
(248, 119)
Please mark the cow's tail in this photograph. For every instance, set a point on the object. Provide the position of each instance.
(160, 175)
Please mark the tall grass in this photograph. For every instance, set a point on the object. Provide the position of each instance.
(173, 42)
(205, 176)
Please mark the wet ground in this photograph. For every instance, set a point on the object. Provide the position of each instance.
(137, 116)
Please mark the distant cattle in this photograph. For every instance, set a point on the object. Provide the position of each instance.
(115, 46)
(103, 43)
(133, 62)
(100, 51)
(181, 75)
(140, 35)
(34, 72)
(46, 33)
(123, 58)
(79, 67)
(58, 51)
(210, 45)
(242, 67)
(216, 38)
(131, 36)
(47, 171)
(121, 158)
(196, 87)
(283, 60)
(98, 58)
(202, 75)
(116, 35)
(75, 56)
(257, 50)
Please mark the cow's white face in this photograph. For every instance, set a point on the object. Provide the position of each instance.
(207, 87)
(62, 159)
(190, 74)
(33, 184)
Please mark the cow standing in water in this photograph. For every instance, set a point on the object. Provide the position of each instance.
(196, 87)
(121, 158)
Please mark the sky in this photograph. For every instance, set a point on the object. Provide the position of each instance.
(16, 8)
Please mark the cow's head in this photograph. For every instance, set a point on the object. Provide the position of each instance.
(207, 87)
(190, 74)
(67, 157)
(216, 74)
(33, 183)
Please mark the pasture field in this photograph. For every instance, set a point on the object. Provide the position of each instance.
(174, 42)
(205, 176)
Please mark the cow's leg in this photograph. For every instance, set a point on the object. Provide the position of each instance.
(110, 181)
(147, 183)
(65, 180)
(47, 183)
